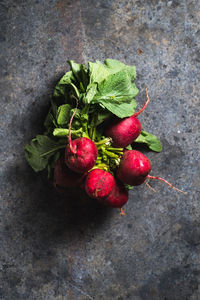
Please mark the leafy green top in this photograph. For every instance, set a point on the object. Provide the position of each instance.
(103, 90)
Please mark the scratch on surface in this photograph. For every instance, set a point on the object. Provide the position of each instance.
(82, 292)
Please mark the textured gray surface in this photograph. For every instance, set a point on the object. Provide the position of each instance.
(73, 249)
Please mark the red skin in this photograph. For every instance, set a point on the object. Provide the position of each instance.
(81, 155)
(99, 184)
(134, 167)
(64, 177)
(117, 197)
(124, 131)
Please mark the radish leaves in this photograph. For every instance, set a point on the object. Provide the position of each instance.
(150, 140)
(40, 150)
(104, 90)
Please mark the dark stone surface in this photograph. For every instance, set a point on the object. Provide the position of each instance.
(71, 248)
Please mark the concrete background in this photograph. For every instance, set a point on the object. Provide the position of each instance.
(71, 248)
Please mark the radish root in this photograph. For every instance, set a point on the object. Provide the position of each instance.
(150, 187)
(145, 105)
(161, 179)
(122, 212)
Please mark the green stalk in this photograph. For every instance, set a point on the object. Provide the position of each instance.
(94, 133)
(92, 129)
(110, 154)
(105, 158)
(52, 150)
(64, 132)
(98, 161)
(82, 87)
(103, 142)
(85, 110)
(101, 166)
(115, 149)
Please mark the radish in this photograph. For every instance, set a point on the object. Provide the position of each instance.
(124, 132)
(102, 186)
(117, 197)
(99, 184)
(134, 167)
(65, 177)
(81, 153)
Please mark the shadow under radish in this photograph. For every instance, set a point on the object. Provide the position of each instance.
(37, 211)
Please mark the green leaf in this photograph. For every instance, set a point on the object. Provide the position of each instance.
(98, 72)
(51, 164)
(65, 81)
(150, 140)
(102, 115)
(63, 114)
(76, 90)
(129, 147)
(49, 122)
(81, 74)
(91, 91)
(102, 76)
(64, 132)
(115, 66)
(39, 151)
(122, 109)
(117, 86)
(117, 93)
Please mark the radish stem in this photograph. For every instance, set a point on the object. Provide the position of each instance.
(110, 154)
(101, 166)
(115, 149)
(145, 105)
(106, 141)
(70, 123)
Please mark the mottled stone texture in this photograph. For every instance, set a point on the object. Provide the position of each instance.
(69, 247)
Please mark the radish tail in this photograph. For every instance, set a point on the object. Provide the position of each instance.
(150, 187)
(122, 212)
(70, 123)
(145, 105)
(161, 179)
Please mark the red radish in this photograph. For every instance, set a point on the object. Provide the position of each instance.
(99, 184)
(65, 177)
(81, 153)
(134, 167)
(124, 131)
(117, 197)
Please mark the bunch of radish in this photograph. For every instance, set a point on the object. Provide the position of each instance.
(89, 143)
(100, 181)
